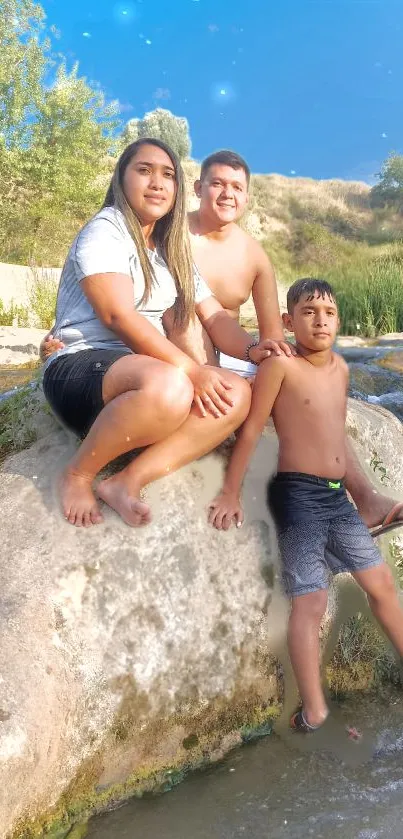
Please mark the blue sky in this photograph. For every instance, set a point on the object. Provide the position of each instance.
(312, 87)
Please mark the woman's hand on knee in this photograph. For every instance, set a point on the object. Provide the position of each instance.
(211, 391)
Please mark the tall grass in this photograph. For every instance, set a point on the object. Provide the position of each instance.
(370, 296)
(42, 293)
(368, 281)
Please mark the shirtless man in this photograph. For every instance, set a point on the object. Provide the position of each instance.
(234, 265)
(319, 530)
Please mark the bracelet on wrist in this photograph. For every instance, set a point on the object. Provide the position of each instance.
(249, 348)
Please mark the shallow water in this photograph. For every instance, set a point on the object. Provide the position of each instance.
(274, 790)
(372, 383)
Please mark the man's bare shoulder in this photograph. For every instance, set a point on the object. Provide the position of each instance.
(260, 258)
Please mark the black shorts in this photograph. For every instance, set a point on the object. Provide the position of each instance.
(319, 531)
(72, 385)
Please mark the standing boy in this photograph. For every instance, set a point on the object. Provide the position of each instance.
(319, 530)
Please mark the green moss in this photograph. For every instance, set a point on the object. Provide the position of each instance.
(244, 715)
(362, 661)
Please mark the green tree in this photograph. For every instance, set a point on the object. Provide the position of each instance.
(389, 190)
(24, 59)
(163, 125)
(56, 141)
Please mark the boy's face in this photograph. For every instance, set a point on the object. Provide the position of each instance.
(223, 193)
(314, 322)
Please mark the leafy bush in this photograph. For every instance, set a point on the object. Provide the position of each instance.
(14, 315)
(42, 294)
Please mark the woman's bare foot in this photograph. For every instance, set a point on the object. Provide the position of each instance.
(78, 500)
(124, 501)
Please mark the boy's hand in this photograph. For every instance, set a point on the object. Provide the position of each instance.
(48, 346)
(270, 347)
(225, 507)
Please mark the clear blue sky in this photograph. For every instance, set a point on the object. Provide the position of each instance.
(313, 87)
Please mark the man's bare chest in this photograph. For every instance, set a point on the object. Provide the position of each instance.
(228, 272)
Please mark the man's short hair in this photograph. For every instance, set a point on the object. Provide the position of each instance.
(308, 287)
(225, 157)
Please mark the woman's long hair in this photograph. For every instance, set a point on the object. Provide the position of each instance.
(170, 233)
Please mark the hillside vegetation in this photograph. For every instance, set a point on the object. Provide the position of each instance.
(59, 141)
(307, 227)
(331, 229)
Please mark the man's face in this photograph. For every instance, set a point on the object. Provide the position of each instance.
(223, 193)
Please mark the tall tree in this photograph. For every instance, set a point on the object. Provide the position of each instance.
(56, 138)
(163, 125)
(389, 190)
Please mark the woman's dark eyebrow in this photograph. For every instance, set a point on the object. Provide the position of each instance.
(147, 163)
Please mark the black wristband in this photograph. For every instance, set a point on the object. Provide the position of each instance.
(248, 349)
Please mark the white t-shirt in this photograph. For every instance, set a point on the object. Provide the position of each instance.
(105, 246)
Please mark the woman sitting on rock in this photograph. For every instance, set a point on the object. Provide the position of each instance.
(119, 383)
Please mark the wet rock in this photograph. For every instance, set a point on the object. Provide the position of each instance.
(391, 337)
(393, 361)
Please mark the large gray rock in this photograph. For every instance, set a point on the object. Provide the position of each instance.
(19, 345)
(126, 654)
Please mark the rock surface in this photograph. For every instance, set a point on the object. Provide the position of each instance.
(16, 281)
(128, 652)
(19, 345)
(393, 361)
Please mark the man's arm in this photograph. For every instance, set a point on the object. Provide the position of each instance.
(226, 333)
(265, 298)
(269, 380)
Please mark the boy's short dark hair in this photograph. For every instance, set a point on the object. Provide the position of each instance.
(308, 287)
(225, 157)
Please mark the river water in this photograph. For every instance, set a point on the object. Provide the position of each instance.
(288, 786)
(272, 790)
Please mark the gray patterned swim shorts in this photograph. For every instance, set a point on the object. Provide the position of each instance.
(319, 531)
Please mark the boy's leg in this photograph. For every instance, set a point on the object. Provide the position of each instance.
(307, 612)
(379, 586)
(372, 505)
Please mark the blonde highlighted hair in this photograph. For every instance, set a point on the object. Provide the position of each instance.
(170, 233)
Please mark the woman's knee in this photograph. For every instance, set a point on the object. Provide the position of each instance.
(241, 395)
(171, 391)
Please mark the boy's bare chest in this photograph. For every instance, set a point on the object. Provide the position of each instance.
(317, 396)
(226, 269)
